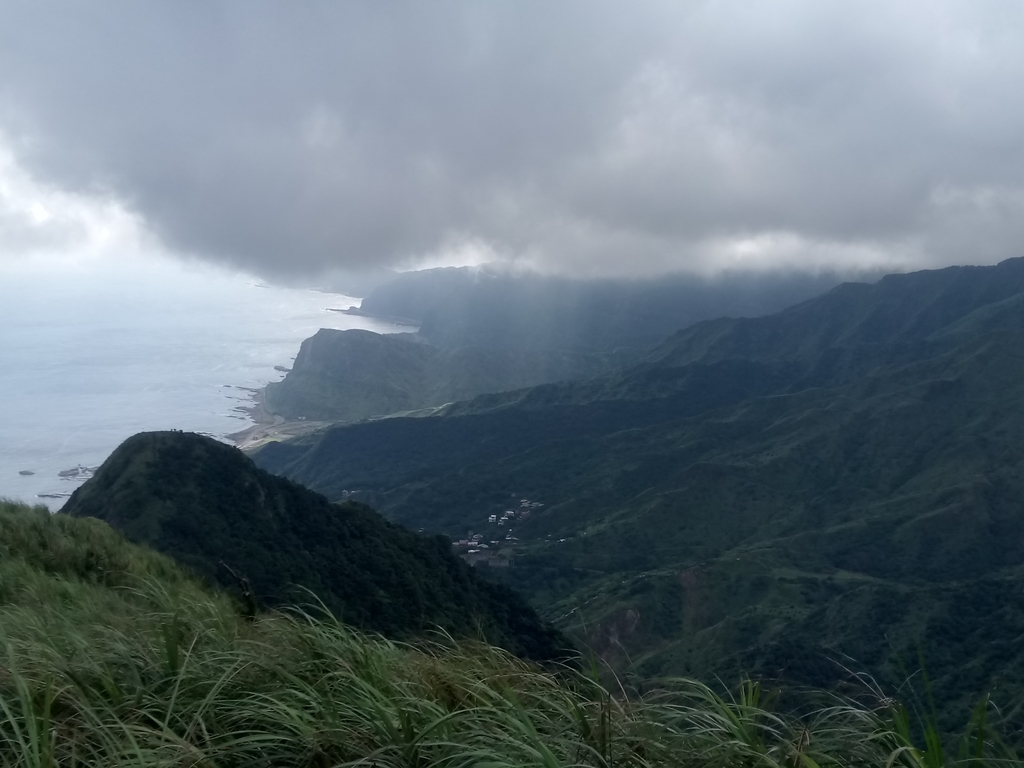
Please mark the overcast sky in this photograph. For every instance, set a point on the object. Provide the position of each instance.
(292, 138)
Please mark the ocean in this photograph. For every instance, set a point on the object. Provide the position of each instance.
(92, 355)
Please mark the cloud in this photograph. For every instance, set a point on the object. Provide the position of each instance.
(580, 137)
(38, 220)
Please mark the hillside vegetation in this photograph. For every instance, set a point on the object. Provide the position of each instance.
(353, 375)
(837, 486)
(206, 505)
(112, 656)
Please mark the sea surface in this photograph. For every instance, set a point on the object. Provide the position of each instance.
(90, 356)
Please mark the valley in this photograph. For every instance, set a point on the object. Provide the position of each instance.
(833, 488)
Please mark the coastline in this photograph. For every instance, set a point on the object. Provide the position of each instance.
(238, 336)
(269, 428)
(402, 322)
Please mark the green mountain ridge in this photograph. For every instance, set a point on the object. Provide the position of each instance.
(898, 319)
(207, 506)
(832, 486)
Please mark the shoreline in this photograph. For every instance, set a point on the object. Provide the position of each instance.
(269, 428)
(401, 322)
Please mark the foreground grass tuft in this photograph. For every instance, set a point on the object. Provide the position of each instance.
(112, 656)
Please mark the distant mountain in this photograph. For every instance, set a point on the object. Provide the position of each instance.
(832, 487)
(353, 375)
(206, 505)
(492, 307)
(900, 314)
(488, 331)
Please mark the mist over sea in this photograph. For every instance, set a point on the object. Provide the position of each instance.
(89, 357)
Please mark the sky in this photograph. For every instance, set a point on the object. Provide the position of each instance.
(293, 140)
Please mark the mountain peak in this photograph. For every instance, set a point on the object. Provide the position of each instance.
(208, 506)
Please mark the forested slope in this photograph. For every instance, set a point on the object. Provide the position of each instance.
(207, 506)
(837, 485)
(352, 375)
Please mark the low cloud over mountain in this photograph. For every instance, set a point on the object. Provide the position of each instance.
(581, 137)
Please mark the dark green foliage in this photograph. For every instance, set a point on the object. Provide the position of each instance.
(832, 487)
(207, 506)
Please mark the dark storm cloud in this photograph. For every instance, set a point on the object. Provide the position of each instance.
(585, 137)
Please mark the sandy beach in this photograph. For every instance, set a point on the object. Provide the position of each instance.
(269, 428)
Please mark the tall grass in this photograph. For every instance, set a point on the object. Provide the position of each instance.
(134, 664)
